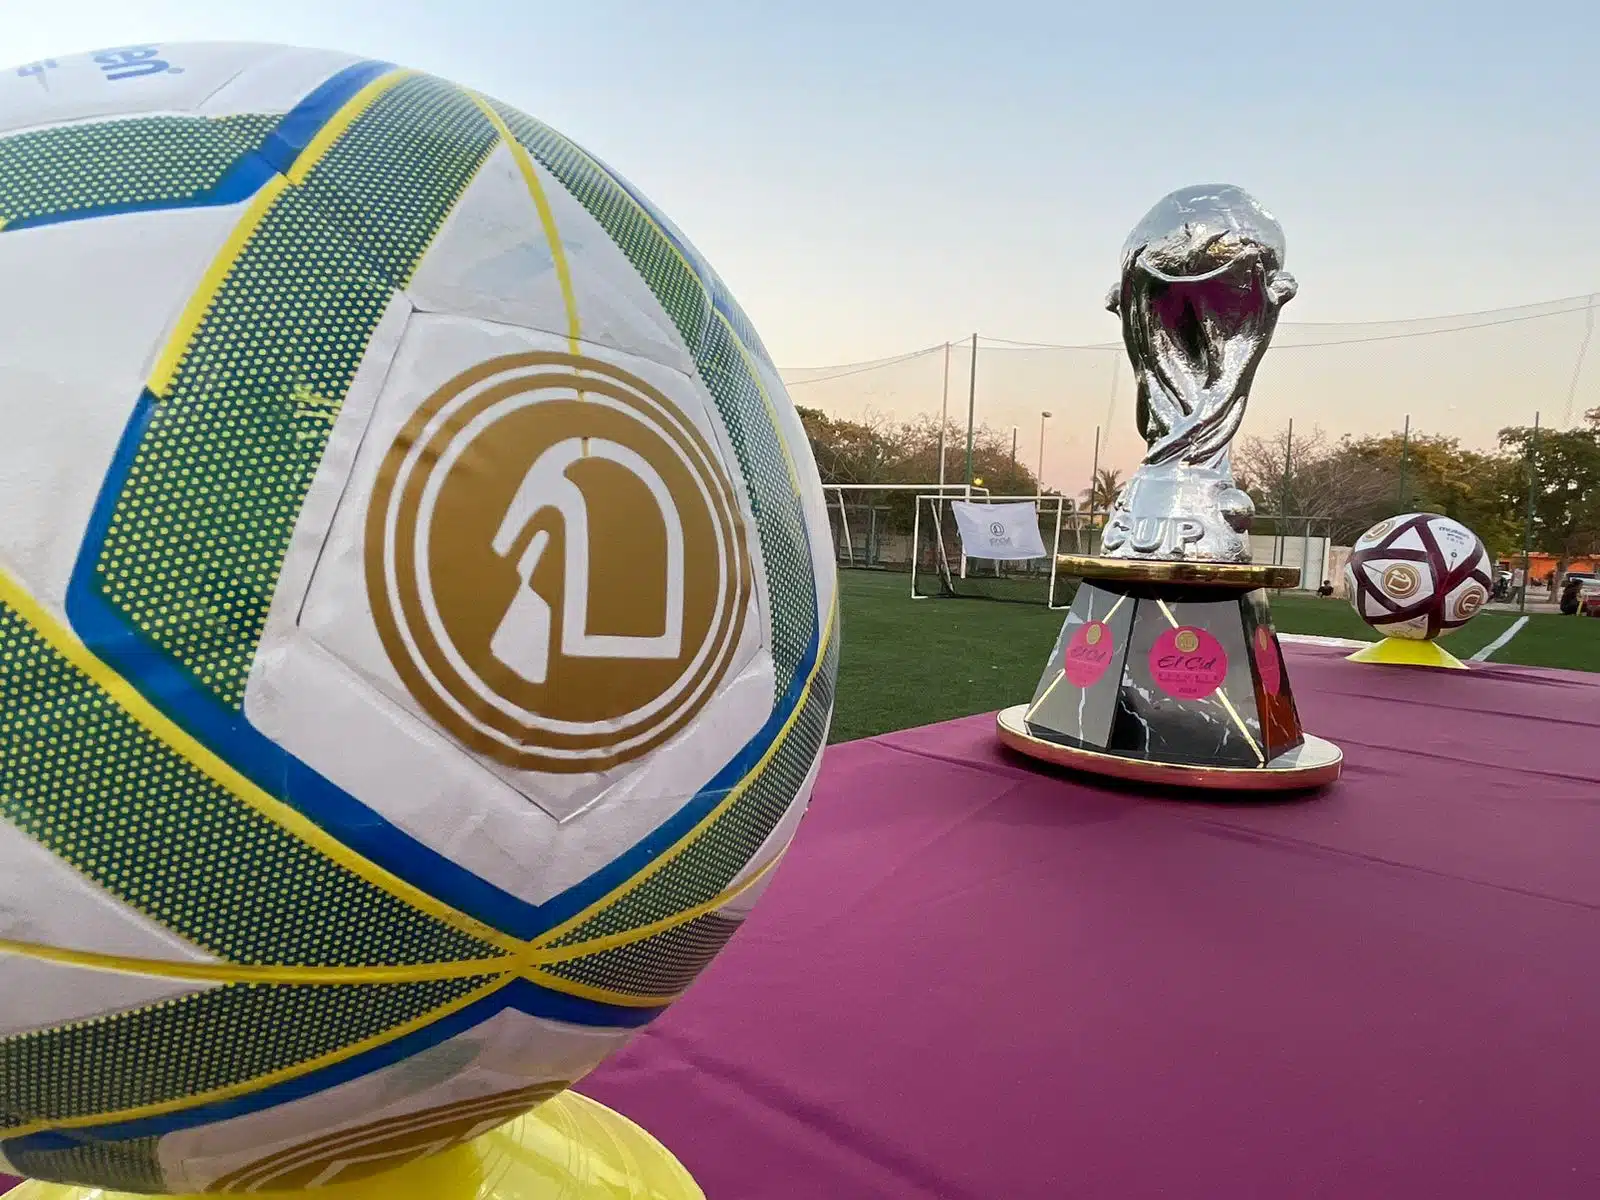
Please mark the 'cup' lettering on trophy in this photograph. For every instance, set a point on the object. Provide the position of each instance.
(1152, 535)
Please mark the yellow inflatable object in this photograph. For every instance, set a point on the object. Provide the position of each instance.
(569, 1148)
(1408, 652)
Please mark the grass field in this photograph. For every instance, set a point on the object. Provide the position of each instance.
(909, 662)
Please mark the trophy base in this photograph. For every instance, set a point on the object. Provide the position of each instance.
(569, 1148)
(1312, 764)
(1408, 652)
(1168, 671)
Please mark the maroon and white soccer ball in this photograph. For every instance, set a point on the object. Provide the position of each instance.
(1418, 576)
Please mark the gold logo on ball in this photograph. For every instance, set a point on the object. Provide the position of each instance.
(1471, 601)
(1187, 641)
(1093, 634)
(1401, 580)
(1263, 638)
(556, 563)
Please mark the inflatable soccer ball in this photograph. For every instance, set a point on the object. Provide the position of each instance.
(1418, 576)
(416, 616)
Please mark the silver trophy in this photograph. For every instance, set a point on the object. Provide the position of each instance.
(1202, 283)
(1168, 669)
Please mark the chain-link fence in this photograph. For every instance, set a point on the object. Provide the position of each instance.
(1347, 424)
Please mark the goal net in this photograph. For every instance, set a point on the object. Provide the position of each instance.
(943, 568)
(871, 523)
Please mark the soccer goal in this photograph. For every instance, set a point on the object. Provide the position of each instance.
(958, 548)
(871, 523)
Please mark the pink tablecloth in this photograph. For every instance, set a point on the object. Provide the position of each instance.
(972, 980)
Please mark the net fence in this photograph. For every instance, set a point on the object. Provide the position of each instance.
(1464, 377)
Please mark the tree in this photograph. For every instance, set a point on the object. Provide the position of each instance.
(991, 458)
(877, 450)
(1563, 469)
(1354, 483)
(850, 451)
(1102, 493)
(1340, 485)
(1466, 485)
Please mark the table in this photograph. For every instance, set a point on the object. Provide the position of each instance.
(973, 980)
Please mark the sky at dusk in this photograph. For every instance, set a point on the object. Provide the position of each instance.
(879, 176)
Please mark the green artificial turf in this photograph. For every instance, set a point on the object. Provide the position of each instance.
(908, 662)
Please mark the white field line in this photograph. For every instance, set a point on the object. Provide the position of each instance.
(1312, 639)
(1499, 642)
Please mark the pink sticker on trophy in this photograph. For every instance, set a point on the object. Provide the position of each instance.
(1188, 663)
(1268, 663)
(1089, 653)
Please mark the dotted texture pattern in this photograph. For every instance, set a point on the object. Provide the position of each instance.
(145, 160)
(214, 1039)
(721, 361)
(82, 777)
(715, 856)
(199, 531)
(658, 967)
(129, 1166)
(720, 298)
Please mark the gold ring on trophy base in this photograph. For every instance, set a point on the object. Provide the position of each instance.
(1184, 571)
(1314, 763)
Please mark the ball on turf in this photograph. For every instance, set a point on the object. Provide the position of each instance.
(416, 616)
(1417, 576)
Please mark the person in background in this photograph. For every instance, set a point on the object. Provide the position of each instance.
(1569, 596)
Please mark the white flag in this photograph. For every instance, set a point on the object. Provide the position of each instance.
(1009, 531)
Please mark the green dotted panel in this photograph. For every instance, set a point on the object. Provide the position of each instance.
(130, 1166)
(49, 172)
(203, 521)
(717, 294)
(83, 778)
(727, 376)
(660, 966)
(791, 577)
(709, 864)
(724, 302)
(215, 1039)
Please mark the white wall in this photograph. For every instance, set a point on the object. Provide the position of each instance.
(1310, 554)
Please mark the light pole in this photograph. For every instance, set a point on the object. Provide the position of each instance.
(972, 410)
(944, 416)
(1039, 478)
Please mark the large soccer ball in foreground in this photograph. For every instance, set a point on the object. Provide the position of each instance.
(1418, 576)
(416, 616)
